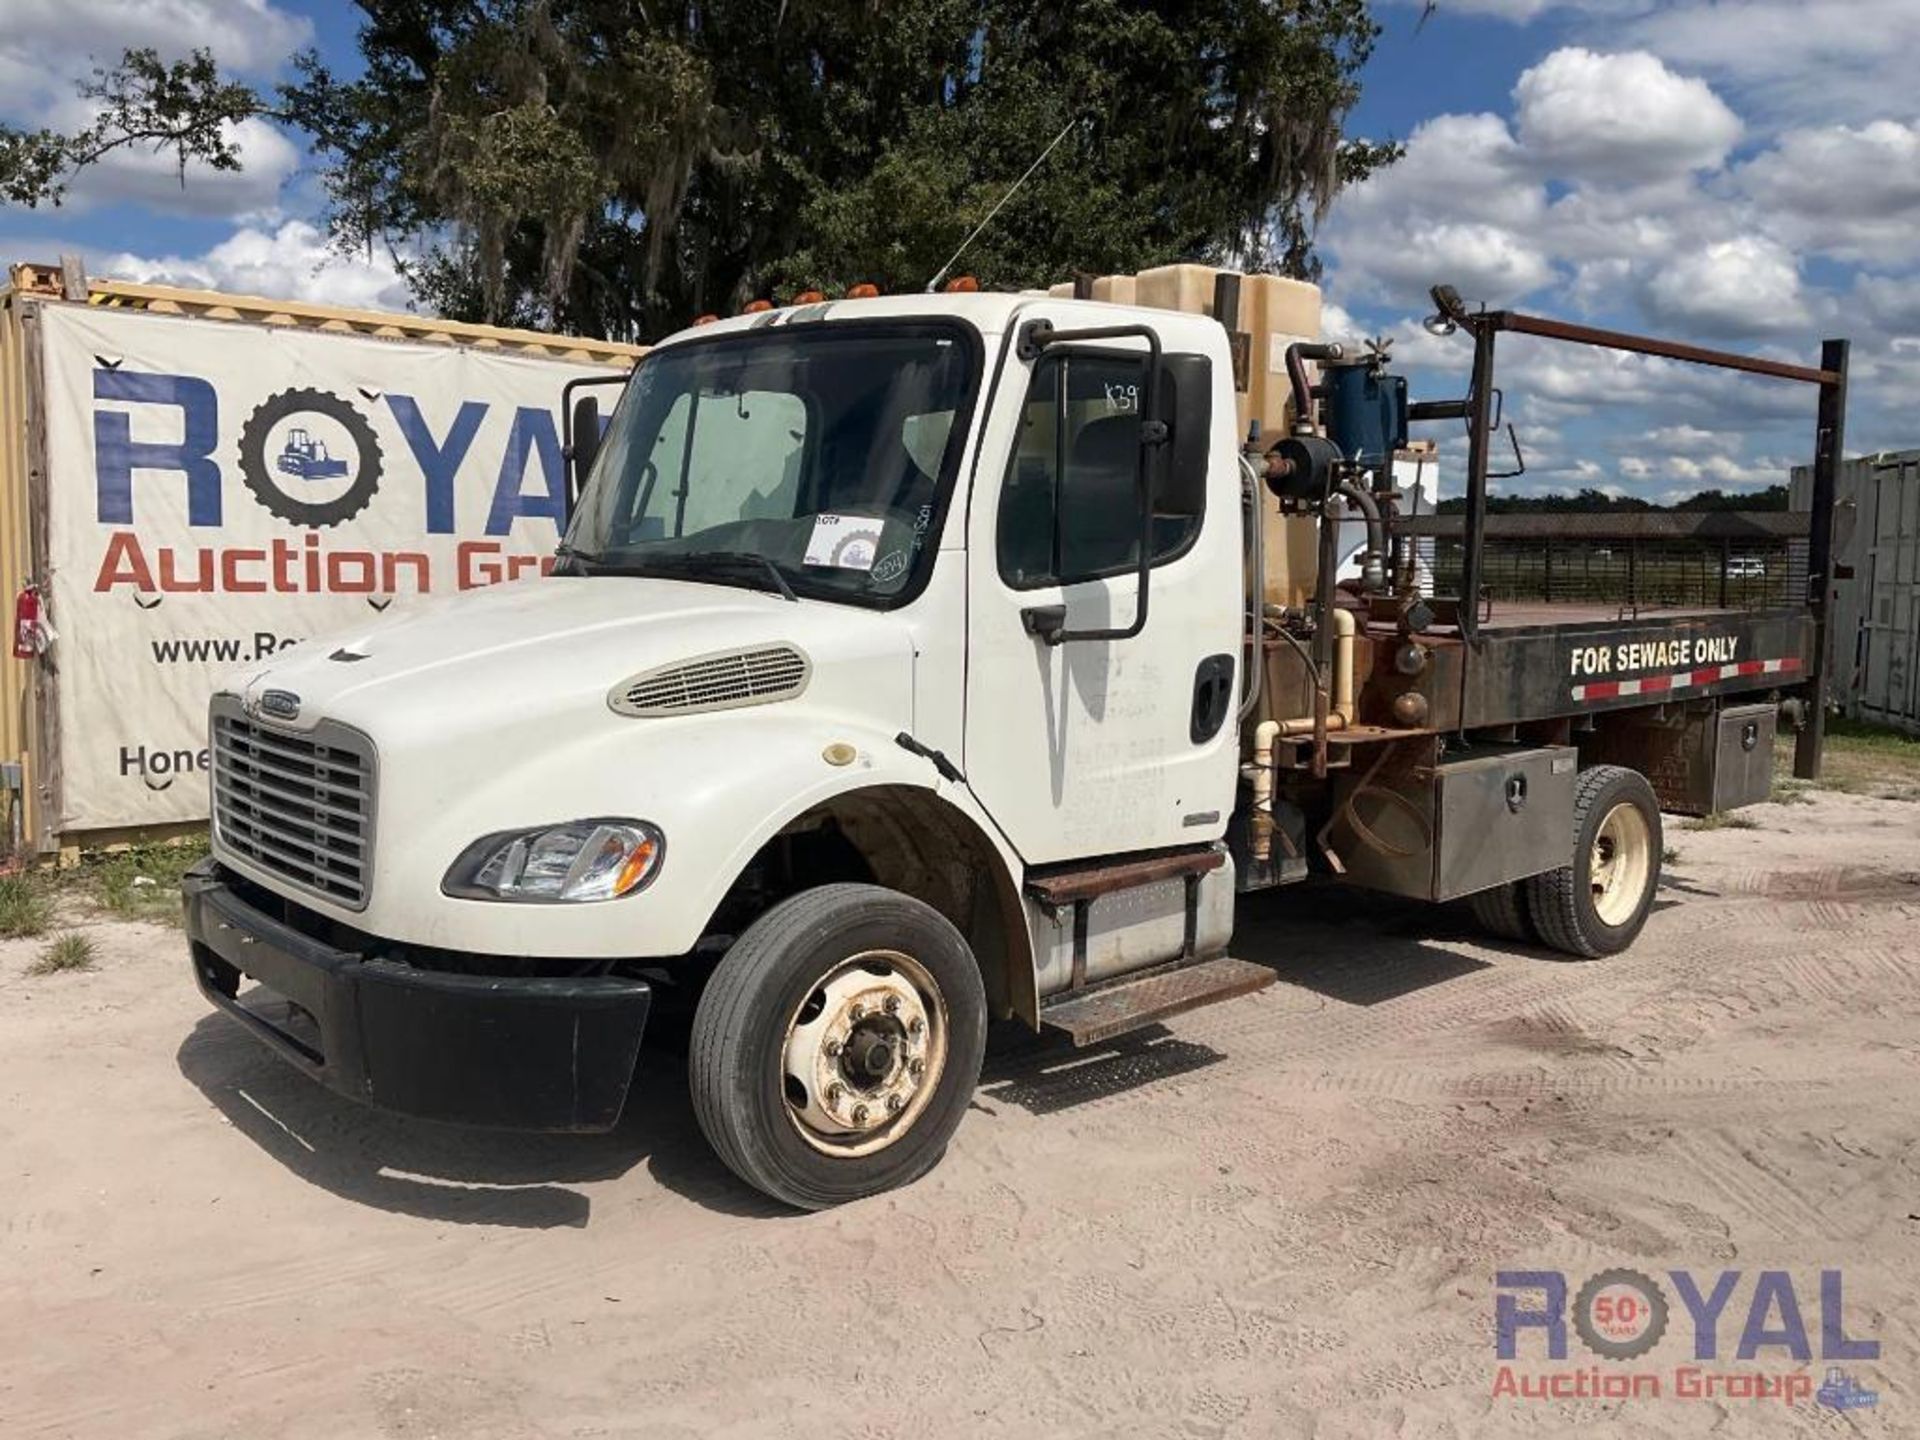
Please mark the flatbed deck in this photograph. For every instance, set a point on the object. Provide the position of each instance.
(1536, 660)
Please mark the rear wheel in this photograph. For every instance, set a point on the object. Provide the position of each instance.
(1598, 904)
(1502, 912)
(837, 1045)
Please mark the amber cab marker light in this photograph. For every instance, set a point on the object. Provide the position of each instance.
(865, 290)
(962, 285)
(755, 307)
(809, 297)
(707, 319)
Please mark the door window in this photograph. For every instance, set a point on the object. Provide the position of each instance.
(1070, 509)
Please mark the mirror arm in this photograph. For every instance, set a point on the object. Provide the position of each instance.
(1038, 335)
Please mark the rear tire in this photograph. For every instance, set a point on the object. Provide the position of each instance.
(1597, 905)
(1502, 912)
(837, 1045)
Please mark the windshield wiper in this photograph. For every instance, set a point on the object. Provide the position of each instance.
(580, 559)
(721, 561)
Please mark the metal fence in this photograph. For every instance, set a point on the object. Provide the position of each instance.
(1738, 560)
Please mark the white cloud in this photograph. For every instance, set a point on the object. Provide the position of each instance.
(1891, 305)
(1782, 61)
(65, 38)
(1484, 261)
(46, 46)
(152, 178)
(1744, 286)
(1791, 60)
(1684, 439)
(1453, 209)
(1624, 182)
(1841, 191)
(293, 262)
(1456, 162)
(1620, 117)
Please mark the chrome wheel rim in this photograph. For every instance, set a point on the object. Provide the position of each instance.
(1622, 863)
(864, 1052)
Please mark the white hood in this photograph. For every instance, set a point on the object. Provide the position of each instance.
(489, 712)
(557, 638)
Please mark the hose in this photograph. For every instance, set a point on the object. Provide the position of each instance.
(1373, 564)
(1362, 831)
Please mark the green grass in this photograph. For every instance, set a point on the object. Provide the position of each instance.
(139, 883)
(72, 951)
(1859, 759)
(1722, 820)
(24, 906)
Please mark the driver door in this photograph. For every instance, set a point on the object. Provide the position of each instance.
(1097, 747)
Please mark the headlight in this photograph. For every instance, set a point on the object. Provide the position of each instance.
(579, 860)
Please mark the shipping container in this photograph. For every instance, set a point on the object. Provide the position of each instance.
(190, 480)
(1876, 587)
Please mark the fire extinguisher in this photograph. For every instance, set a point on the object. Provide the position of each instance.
(29, 638)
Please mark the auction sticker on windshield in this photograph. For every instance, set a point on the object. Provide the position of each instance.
(846, 542)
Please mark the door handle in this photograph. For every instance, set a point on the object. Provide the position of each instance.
(1212, 697)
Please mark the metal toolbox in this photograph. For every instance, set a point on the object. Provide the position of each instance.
(1743, 756)
(1475, 820)
(1699, 759)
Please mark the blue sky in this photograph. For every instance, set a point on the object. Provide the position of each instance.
(1744, 173)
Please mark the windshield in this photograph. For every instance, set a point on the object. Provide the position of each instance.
(822, 454)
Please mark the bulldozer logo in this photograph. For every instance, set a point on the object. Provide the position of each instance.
(310, 458)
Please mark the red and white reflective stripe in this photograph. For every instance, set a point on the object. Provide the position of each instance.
(1684, 679)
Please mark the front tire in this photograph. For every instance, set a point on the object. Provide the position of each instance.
(1598, 904)
(837, 1046)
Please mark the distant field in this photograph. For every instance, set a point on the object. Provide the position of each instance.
(1860, 759)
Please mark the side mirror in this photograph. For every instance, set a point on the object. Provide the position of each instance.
(583, 443)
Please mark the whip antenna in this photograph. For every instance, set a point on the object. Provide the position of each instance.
(954, 259)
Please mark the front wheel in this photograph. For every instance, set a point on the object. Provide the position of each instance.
(837, 1045)
(1598, 904)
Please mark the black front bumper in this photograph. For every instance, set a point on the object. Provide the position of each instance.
(526, 1054)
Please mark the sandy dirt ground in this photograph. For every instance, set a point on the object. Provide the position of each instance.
(1280, 1216)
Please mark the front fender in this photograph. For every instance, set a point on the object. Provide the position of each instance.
(719, 786)
(792, 766)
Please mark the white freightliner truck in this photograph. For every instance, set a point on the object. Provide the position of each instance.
(917, 660)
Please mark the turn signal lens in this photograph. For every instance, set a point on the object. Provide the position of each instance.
(638, 867)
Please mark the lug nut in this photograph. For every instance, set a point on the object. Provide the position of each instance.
(891, 1005)
(915, 1026)
(859, 1114)
(832, 1047)
(895, 1104)
(917, 1068)
(834, 1092)
(856, 1011)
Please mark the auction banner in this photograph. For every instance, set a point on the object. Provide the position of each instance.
(220, 491)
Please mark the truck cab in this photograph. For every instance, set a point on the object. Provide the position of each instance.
(907, 662)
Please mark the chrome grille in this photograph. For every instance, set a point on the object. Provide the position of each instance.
(714, 682)
(296, 803)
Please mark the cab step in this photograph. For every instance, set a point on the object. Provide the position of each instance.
(1103, 1011)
